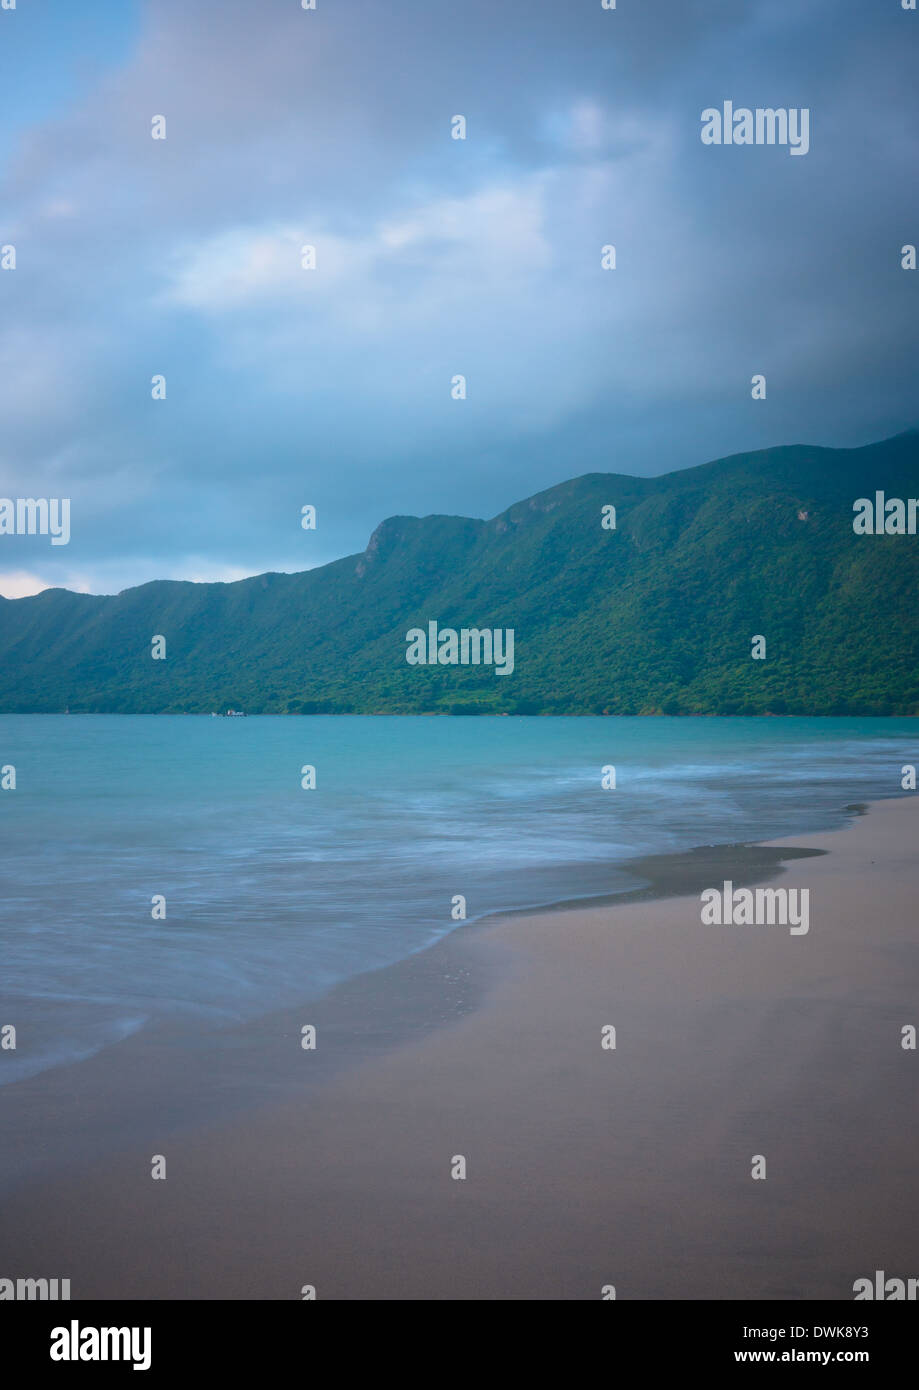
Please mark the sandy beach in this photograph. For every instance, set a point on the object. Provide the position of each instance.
(586, 1166)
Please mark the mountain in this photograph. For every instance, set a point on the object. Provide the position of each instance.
(655, 616)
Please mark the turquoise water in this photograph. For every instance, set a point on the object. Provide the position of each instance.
(274, 893)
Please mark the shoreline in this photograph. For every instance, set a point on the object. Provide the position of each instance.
(358, 1012)
(278, 1174)
(433, 714)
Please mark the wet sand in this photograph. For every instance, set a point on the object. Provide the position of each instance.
(585, 1166)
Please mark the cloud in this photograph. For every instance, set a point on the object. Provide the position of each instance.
(494, 232)
(23, 583)
(434, 257)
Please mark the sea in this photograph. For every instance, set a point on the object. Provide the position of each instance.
(155, 865)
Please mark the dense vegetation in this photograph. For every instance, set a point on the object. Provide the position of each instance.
(654, 616)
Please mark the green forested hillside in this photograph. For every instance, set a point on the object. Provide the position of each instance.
(655, 616)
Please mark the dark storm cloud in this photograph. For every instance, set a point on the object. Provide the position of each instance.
(438, 257)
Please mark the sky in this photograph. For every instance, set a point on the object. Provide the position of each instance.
(435, 257)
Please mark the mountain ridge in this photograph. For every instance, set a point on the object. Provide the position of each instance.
(654, 616)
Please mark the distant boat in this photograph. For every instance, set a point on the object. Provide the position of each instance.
(230, 714)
